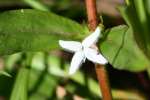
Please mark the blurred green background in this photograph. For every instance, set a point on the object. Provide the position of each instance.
(46, 76)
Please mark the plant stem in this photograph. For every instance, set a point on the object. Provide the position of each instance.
(91, 14)
(100, 69)
(103, 82)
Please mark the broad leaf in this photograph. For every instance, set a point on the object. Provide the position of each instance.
(121, 50)
(33, 30)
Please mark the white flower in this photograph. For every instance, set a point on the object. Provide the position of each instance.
(83, 50)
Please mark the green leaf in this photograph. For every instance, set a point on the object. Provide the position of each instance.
(136, 14)
(42, 85)
(20, 87)
(121, 50)
(5, 73)
(37, 5)
(140, 9)
(33, 30)
(11, 60)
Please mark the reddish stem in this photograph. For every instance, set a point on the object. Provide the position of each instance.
(103, 82)
(100, 69)
(92, 14)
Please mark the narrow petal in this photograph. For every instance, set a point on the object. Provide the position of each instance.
(71, 46)
(93, 38)
(94, 56)
(77, 60)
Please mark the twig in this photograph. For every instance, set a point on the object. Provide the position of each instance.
(103, 82)
(91, 14)
(100, 69)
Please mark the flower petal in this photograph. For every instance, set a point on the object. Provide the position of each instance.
(93, 38)
(94, 56)
(77, 60)
(71, 46)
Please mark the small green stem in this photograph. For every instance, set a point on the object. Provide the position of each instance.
(20, 87)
